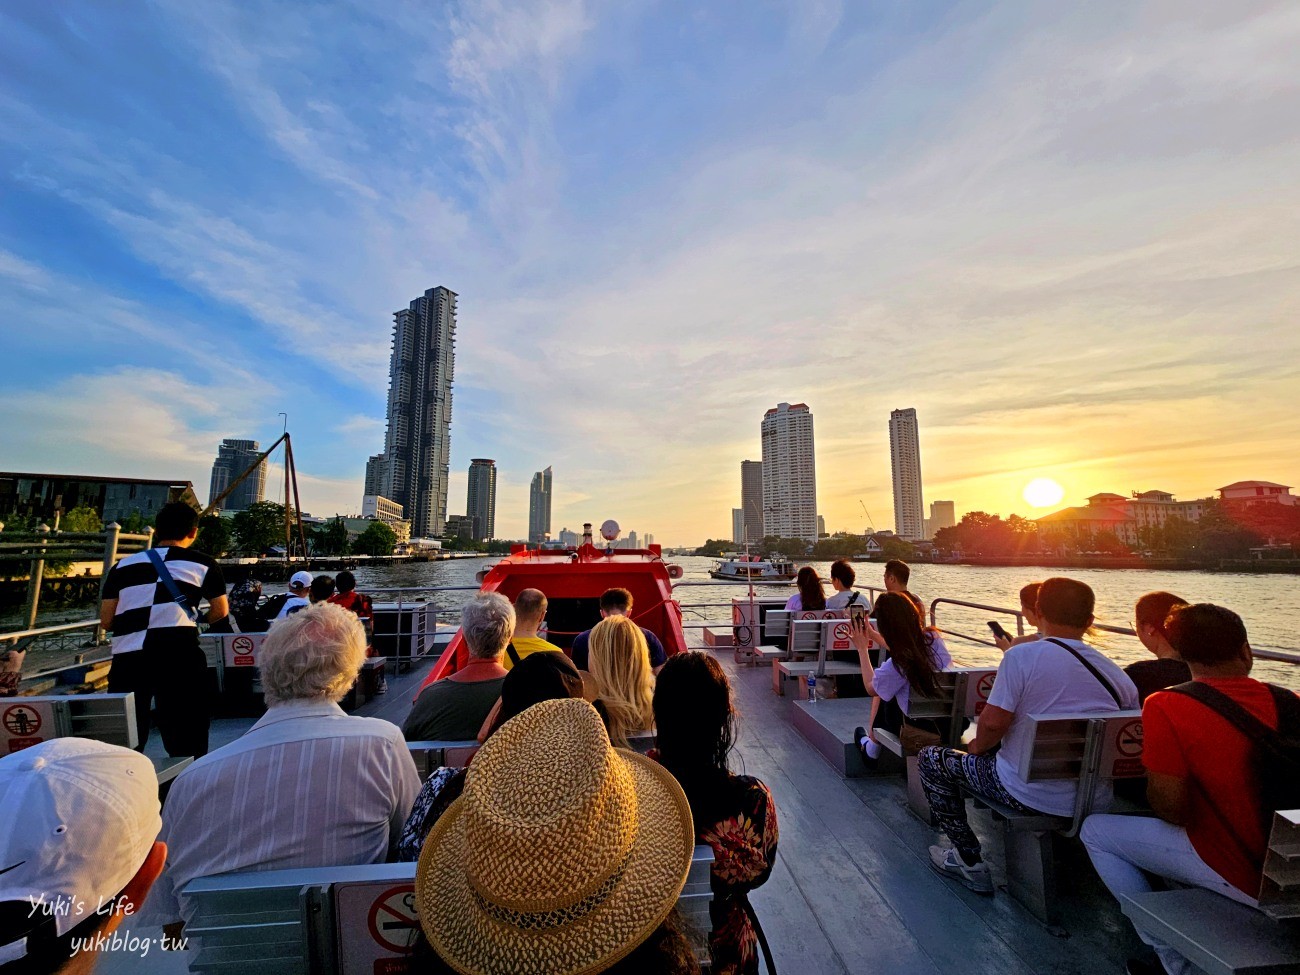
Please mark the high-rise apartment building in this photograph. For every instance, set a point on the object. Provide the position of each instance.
(481, 506)
(789, 473)
(751, 500)
(233, 458)
(417, 448)
(738, 525)
(539, 507)
(905, 459)
(943, 514)
(649, 540)
(374, 476)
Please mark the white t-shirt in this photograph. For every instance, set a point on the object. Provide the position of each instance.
(841, 599)
(292, 605)
(1042, 678)
(890, 684)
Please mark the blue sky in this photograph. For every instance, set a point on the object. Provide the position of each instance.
(1065, 235)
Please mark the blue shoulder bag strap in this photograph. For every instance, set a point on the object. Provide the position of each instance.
(165, 577)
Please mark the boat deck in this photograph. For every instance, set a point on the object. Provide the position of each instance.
(852, 890)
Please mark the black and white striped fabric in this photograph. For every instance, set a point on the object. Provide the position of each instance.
(145, 609)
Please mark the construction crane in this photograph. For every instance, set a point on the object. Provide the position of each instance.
(870, 524)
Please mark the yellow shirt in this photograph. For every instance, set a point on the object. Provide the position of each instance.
(524, 645)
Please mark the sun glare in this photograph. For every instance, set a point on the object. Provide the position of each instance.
(1043, 492)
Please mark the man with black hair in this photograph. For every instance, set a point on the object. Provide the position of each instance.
(1059, 674)
(1210, 827)
(617, 602)
(151, 605)
(842, 578)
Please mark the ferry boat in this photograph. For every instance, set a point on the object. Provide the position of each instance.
(772, 570)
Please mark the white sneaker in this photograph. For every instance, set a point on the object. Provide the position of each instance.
(949, 863)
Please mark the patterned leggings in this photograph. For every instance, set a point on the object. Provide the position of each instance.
(944, 771)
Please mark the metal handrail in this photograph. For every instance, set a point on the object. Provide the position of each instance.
(45, 630)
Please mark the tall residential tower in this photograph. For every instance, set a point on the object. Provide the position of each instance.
(751, 501)
(233, 458)
(789, 473)
(905, 458)
(481, 505)
(539, 507)
(416, 459)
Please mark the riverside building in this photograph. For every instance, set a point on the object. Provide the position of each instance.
(751, 501)
(414, 468)
(481, 505)
(789, 473)
(539, 507)
(233, 458)
(905, 460)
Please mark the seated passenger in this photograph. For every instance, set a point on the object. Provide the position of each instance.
(621, 677)
(916, 655)
(307, 786)
(322, 588)
(80, 821)
(810, 594)
(897, 574)
(577, 869)
(243, 605)
(617, 602)
(530, 611)
(539, 677)
(842, 579)
(351, 600)
(1166, 670)
(1212, 828)
(454, 708)
(298, 596)
(1028, 609)
(734, 814)
(1059, 674)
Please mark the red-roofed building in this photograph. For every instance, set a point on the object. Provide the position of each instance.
(1257, 492)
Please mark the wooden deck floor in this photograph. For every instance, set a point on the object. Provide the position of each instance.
(852, 890)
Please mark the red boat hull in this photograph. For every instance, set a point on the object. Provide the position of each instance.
(573, 581)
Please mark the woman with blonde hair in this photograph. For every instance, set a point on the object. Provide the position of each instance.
(619, 664)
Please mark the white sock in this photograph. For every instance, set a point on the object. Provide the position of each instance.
(872, 747)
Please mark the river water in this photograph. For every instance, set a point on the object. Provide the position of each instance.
(1269, 604)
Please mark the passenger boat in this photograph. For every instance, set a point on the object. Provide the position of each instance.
(772, 570)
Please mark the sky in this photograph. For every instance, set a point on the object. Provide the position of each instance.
(1064, 233)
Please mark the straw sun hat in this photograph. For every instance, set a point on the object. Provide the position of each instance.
(562, 855)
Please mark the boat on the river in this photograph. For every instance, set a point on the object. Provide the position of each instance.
(773, 570)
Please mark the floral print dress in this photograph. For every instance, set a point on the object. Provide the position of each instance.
(738, 820)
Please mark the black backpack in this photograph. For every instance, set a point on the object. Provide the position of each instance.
(1275, 757)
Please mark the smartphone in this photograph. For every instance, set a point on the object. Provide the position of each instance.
(857, 611)
(998, 631)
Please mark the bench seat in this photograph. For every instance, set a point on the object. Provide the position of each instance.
(1218, 935)
(783, 670)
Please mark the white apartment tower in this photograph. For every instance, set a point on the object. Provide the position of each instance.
(905, 458)
(789, 473)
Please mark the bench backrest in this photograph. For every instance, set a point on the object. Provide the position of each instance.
(776, 626)
(432, 755)
(809, 635)
(1279, 897)
(27, 721)
(332, 919)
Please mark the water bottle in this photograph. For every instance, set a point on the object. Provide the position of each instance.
(812, 688)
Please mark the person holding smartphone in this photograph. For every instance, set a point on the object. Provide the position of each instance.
(916, 655)
(1028, 609)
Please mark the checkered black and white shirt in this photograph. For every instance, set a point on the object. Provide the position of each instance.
(145, 610)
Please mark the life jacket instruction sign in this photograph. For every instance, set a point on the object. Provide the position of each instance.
(26, 724)
(377, 927)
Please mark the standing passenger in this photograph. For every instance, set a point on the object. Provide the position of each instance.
(810, 594)
(734, 814)
(156, 653)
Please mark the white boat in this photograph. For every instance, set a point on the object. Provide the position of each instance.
(750, 568)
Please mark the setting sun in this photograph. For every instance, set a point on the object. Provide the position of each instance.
(1043, 492)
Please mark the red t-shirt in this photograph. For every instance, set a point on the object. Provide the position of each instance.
(1184, 738)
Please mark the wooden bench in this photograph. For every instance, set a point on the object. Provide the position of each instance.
(1093, 749)
(962, 693)
(1222, 937)
(333, 919)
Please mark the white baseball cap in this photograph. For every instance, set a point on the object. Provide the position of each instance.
(300, 579)
(78, 818)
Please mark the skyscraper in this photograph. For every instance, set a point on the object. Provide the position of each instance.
(375, 476)
(481, 506)
(417, 447)
(738, 525)
(943, 514)
(905, 458)
(233, 458)
(539, 507)
(751, 500)
(789, 473)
